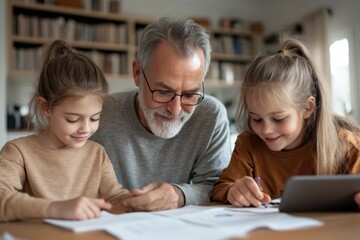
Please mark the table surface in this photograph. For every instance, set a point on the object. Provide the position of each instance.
(337, 226)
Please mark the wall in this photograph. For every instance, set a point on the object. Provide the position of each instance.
(2, 72)
(345, 22)
(212, 9)
(276, 14)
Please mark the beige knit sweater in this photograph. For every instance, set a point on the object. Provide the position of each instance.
(32, 176)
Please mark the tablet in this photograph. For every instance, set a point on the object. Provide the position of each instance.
(320, 193)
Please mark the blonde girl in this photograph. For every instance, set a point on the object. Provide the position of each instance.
(58, 172)
(288, 128)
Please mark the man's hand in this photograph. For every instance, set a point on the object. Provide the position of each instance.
(155, 197)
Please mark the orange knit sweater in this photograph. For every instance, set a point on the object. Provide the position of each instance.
(252, 157)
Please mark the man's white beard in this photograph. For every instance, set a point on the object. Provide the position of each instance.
(162, 129)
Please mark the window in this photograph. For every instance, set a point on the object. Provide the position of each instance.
(340, 77)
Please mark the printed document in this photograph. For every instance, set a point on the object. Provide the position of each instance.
(190, 222)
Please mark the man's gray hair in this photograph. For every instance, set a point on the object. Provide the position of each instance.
(184, 35)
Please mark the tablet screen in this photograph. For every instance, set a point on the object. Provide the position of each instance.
(320, 193)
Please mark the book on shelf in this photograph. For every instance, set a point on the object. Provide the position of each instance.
(242, 46)
(205, 22)
(70, 3)
(69, 29)
(233, 23)
(214, 71)
(228, 72)
(216, 44)
(50, 2)
(228, 45)
(110, 63)
(115, 6)
(111, 6)
(238, 46)
(234, 45)
(138, 33)
(26, 58)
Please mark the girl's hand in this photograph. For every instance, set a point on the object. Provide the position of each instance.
(357, 199)
(80, 208)
(245, 192)
(119, 208)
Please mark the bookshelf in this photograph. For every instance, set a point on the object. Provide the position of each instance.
(110, 39)
(233, 51)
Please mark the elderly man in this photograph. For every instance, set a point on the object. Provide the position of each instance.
(168, 142)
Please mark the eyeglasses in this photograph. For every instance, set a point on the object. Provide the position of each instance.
(166, 96)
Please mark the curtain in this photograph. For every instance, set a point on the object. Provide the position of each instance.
(316, 31)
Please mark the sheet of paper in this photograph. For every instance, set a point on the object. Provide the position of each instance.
(99, 223)
(163, 228)
(190, 222)
(211, 223)
(190, 209)
(248, 219)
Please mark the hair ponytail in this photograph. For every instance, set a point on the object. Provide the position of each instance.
(290, 76)
(64, 73)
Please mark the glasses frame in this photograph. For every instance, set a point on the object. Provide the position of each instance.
(175, 94)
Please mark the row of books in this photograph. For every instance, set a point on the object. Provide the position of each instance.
(232, 45)
(227, 72)
(117, 64)
(69, 29)
(26, 59)
(111, 63)
(113, 6)
(50, 2)
(234, 23)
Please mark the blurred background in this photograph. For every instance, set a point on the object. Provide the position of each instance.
(107, 30)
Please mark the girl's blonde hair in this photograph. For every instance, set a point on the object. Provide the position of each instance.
(64, 73)
(290, 76)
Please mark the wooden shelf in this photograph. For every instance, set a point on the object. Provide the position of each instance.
(66, 11)
(27, 75)
(232, 57)
(102, 46)
(24, 17)
(233, 32)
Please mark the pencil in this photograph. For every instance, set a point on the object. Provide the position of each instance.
(258, 181)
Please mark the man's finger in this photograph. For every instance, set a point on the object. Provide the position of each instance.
(150, 187)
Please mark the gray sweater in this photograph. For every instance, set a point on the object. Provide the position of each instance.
(192, 160)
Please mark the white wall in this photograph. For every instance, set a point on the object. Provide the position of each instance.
(3, 72)
(276, 14)
(212, 9)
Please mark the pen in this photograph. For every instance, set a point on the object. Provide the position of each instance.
(258, 182)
